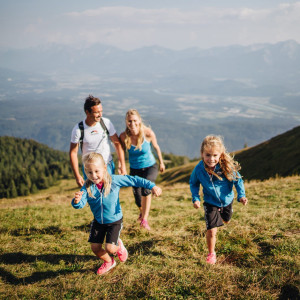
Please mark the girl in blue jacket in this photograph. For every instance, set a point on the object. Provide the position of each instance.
(217, 172)
(101, 191)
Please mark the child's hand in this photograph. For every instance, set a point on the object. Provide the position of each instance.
(156, 191)
(78, 196)
(197, 204)
(244, 200)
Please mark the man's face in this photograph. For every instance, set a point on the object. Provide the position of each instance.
(95, 114)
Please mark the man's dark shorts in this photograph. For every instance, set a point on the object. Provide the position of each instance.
(214, 216)
(111, 231)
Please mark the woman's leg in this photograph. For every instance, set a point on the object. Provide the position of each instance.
(146, 204)
(150, 174)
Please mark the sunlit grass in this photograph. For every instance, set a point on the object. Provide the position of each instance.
(44, 253)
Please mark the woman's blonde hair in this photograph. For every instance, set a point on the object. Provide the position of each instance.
(94, 158)
(229, 166)
(140, 138)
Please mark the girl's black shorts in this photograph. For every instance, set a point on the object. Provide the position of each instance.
(111, 231)
(214, 216)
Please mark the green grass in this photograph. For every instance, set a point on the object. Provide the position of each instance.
(44, 253)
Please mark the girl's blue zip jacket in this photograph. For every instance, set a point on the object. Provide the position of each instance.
(108, 209)
(215, 191)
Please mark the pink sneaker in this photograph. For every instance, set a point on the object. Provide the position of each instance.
(122, 252)
(106, 266)
(211, 258)
(144, 224)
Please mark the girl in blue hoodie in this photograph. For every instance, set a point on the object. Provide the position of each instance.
(101, 192)
(217, 172)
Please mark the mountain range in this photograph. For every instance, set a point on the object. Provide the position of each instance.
(263, 63)
(245, 93)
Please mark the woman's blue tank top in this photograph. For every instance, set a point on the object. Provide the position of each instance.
(143, 158)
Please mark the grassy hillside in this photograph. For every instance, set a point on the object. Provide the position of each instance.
(44, 252)
(277, 156)
(280, 156)
(177, 174)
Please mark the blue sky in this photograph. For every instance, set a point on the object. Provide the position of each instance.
(176, 24)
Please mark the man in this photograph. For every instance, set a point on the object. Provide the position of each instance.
(95, 139)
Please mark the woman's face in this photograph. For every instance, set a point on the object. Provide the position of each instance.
(133, 124)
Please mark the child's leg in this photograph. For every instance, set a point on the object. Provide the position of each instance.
(111, 248)
(108, 263)
(211, 238)
(96, 238)
(119, 250)
(100, 252)
(226, 213)
(213, 221)
(114, 244)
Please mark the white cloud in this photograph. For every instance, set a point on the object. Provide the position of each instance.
(131, 27)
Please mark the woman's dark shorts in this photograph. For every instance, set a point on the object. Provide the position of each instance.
(111, 231)
(149, 173)
(214, 216)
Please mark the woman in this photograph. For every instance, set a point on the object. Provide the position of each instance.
(137, 139)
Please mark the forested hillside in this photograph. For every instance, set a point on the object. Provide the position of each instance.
(277, 156)
(27, 166)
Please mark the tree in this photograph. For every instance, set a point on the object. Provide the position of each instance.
(33, 189)
(12, 189)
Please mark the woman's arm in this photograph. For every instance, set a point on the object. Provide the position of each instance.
(152, 137)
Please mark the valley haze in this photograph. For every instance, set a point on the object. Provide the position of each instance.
(247, 94)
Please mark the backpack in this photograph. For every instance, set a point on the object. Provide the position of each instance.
(80, 125)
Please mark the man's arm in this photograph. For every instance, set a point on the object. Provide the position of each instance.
(74, 163)
(120, 153)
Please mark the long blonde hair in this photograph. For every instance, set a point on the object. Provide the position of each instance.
(140, 138)
(95, 158)
(229, 166)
